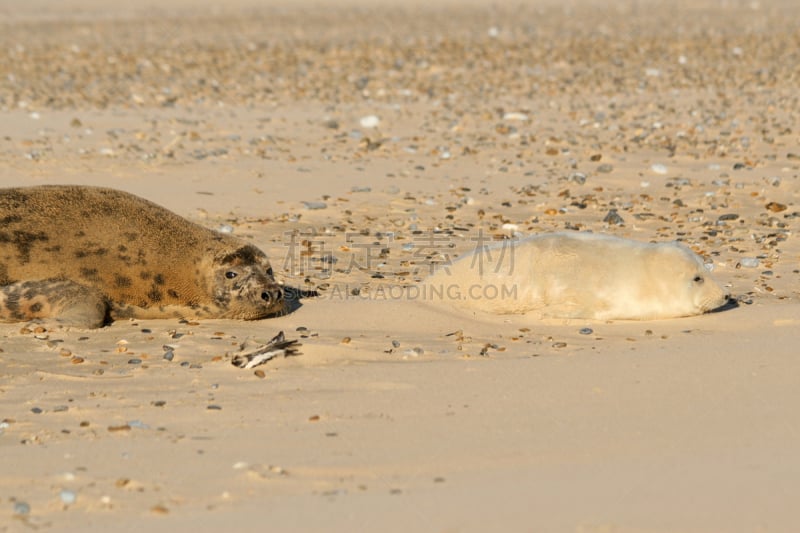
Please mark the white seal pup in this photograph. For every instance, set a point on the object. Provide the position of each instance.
(579, 275)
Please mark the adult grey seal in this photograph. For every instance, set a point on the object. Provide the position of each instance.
(83, 255)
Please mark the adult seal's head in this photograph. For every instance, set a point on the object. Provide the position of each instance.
(243, 285)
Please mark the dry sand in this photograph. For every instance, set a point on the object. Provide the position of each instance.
(684, 118)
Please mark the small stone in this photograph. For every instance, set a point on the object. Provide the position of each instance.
(67, 497)
(748, 262)
(605, 168)
(586, 331)
(578, 177)
(728, 216)
(775, 207)
(315, 205)
(22, 508)
(613, 218)
(369, 121)
(169, 355)
(515, 116)
(395, 344)
(135, 361)
(37, 410)
(214, 407)
(658, 168)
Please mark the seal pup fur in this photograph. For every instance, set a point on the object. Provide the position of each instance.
(83, 255)
(579, 275)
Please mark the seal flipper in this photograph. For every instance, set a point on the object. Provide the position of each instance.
(65, 301)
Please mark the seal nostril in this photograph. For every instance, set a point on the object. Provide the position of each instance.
(274, 295)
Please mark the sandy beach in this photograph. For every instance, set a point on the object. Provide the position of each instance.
(356, 144)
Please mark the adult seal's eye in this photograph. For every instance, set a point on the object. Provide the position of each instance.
(698, 279)
(269, 271)
(230, 275)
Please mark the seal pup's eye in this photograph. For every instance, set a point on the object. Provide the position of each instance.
(230, 275)
(269, 272)
(698, 279)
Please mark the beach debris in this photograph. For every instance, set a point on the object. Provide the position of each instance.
(277, 346)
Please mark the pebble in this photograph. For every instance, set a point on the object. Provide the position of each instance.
(749, 262)
(225, 228)
(357, 188)
(135, 361)
(586, 331)
(605, 168)
(315, 205)
(369, 121)
(169, 355)
(658, 168)
(578, 177)
(515, 116)
(22, 508)
(613, 218)
(67, 497)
